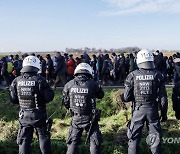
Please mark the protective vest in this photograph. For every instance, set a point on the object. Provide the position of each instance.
(81, 97)
(145, 87)
(28, 92)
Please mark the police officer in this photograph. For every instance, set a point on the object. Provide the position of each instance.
(143, 87)
(176, 70)
(78, 96)
(176, 90)
(32, 93)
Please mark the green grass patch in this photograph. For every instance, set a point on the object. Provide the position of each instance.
(112, 124)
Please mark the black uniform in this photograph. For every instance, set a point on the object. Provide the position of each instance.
(32, 93)
(49, 70)
(176, 99)
(77, 97)
(144, 88)
(176, 72)
(4, 71)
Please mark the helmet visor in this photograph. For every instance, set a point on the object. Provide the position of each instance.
(147, 65)
(29, 69)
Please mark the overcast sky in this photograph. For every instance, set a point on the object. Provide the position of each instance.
(48, 25)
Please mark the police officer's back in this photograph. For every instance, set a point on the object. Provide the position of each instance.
(176, 70)
(144, 87)
(78, 97)
(32, 93)
(176, 90)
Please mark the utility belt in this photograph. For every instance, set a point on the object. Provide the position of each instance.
(147, 104)
(34, 109)
(25, 112)
(80, 114)
(95, 112)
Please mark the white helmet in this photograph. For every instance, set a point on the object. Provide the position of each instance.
(176, 60)
(31, 64)
(83, 68)
(145, 59)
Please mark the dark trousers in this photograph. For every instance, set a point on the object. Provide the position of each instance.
(30, 120)
(75, 133)
(61, 78)
(49, 78)
(141, 115)
(7, 79)
(25, 136)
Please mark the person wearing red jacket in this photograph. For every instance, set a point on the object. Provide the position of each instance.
(71, 64)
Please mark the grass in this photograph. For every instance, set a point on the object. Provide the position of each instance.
(112, 125)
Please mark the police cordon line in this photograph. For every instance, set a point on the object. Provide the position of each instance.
(144, 87)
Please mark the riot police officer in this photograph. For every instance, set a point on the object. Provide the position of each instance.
(78, 96)
(176, 90)
(143, 87)
(176, 70)
(32, 93)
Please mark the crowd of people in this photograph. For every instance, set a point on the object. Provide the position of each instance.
(108, 69)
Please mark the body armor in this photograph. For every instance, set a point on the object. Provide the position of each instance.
(28, 92)
(81, 97)
(145, 87)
